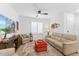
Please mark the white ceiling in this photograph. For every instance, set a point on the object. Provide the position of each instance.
(29, 9)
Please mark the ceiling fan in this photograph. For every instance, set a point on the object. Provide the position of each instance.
(39, 11)
(42, 13)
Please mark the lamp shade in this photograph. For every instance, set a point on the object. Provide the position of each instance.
(55, 25)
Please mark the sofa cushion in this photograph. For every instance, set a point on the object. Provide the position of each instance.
(57, 34)
(24, 36)
(58, 38)
(56, 42)
(55, 37)
(70, 42)
(69, 36)
(7, 52)
(64, 40)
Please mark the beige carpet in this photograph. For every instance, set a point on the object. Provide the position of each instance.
(28, 50)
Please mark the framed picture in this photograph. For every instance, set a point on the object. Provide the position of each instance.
(7, 25)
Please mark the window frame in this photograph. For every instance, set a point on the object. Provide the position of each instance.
(37, 29)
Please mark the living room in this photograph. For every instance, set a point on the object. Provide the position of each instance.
(30, 23)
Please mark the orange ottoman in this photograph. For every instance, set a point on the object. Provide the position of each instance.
(40, 46)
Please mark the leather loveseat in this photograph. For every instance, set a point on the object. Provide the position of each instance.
(65, 43)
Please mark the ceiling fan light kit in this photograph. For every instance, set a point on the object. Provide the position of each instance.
(40, 12)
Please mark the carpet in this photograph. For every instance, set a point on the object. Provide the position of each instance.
(28, 49)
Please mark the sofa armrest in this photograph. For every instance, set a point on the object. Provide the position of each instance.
(25, 40)
(70, 47)
(70, 42)
(7, 52)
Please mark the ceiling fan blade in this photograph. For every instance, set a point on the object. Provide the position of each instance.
(44, 13)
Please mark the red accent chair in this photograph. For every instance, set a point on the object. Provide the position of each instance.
(40, 46)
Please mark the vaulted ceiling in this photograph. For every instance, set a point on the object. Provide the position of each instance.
(53, 9)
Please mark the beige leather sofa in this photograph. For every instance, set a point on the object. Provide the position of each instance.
(6, 48)
(25, 38)
(65, 43)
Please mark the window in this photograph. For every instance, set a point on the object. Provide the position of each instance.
(34, 27)
(40, 28)
(37, 27)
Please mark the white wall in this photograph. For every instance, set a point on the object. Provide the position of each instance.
(25, 25)
(69, 23)
(58, 19)
(76, 24)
